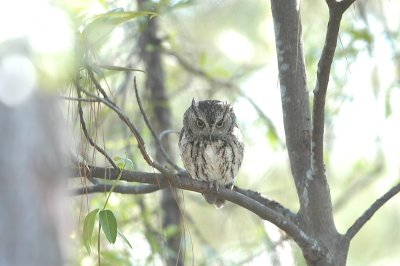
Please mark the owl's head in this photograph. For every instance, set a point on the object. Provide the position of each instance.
(209, 118)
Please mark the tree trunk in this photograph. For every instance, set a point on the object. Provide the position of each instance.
(161, 118)
(315, 216)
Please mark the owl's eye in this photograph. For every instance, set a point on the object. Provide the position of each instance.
(200, 123)
(219, 124)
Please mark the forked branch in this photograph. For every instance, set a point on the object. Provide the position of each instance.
(266, 209)
(336, 10)
(141, 144)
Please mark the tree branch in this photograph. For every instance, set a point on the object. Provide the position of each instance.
(132, 128)
(78, 99)
(142, 189)
(157, 140)
(294, 94)
(363, 219)
(276, 206)
(336, 10)
(87, 135)
(158, 179)
(344, 4)
(324, 69)
(96, 82)
(252, 201)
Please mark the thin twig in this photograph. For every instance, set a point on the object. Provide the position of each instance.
(132, 128)
(167, 132)
(96, 82)
(363, 219)
(146, 120)
(87, 135)
(78, 99)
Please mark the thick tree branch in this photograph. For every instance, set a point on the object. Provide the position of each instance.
(276, 206)
(304, 138)
(345, 4)
(142, 189)
(294, 94)
(324, 69)
(363, 219)
(250, 200)
(158, 179)
(336, 10)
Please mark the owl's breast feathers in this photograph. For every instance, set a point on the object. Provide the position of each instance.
(212, 159)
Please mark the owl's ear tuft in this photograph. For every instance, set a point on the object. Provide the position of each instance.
(227, 109)
(195, 107)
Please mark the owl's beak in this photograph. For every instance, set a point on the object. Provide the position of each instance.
(211, 132)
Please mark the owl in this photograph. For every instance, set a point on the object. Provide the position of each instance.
(211, 145)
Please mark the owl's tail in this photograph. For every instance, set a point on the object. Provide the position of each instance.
(213, 198)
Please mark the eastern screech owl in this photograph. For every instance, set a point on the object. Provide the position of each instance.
(211, 145)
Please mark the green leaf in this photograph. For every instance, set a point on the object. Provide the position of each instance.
(124, 163)
(102, 25)
(88, 225)
(124, 238)
(108, 224)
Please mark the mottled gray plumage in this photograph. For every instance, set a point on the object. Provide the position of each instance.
(211, 145)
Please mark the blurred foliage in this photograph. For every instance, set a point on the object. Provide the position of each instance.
(233, 41)
(225, 44)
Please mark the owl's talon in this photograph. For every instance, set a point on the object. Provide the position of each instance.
(216, 187)
(212, 185)
(183, 173)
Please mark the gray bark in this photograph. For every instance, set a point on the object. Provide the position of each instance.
(161, 119)
(305, 141)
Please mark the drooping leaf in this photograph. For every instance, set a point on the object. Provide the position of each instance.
(108, 224)
(124, 163)
(124, 238)
(102, 25)
(88, 225)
